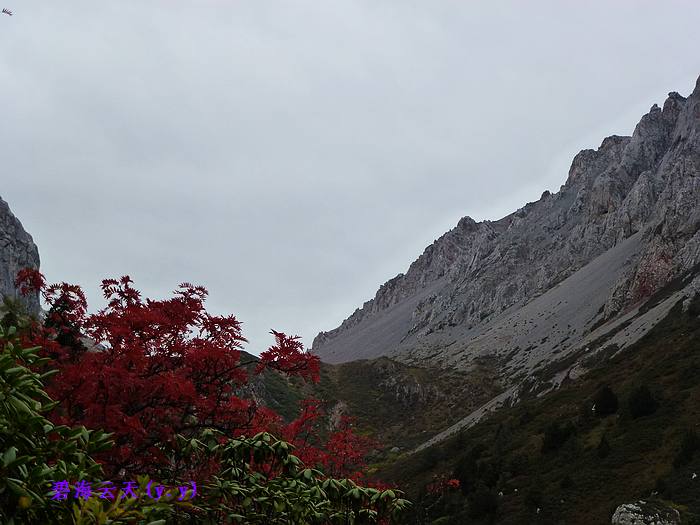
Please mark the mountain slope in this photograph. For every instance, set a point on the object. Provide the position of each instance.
(644, 185)
(553, 453)
(400, 405)
(545, 290)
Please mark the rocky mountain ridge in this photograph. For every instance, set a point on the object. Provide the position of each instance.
(646, 184)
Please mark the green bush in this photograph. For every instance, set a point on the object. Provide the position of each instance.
(34, 451)
(690, 444)
(605, 402)
(534, 497)
(467, 469)
(259, 480)
(603, 449)
(566, 482)
(482, 502)
(556, 434)
(641, 402)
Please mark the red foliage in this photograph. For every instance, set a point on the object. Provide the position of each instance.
(302, 431)
(441, 484)
(345, 451)
(288, 356)
(29, 280)
(341, 455)
(147, 370)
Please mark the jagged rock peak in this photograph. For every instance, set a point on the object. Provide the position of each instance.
(467, 223)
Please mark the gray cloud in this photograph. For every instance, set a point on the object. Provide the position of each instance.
(292, 156)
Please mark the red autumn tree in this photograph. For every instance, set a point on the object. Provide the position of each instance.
(148, 370)
(343, 452)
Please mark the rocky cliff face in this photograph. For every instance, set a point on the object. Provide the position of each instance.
(557, 274)
(17, 251)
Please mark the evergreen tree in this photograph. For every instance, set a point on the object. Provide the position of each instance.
(605, 402)
(642, 402)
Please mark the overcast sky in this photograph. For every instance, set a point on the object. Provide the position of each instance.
(294, 155)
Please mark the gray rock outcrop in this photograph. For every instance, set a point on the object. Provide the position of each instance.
(645, 513)
(17, 251)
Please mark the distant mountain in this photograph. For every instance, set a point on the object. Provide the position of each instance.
(17, 251)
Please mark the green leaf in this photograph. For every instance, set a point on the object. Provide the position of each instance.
(9, 456)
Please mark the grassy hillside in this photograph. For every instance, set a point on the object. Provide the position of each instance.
(575, 464)
(400, 405)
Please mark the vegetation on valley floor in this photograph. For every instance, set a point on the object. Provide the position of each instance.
(564, 458)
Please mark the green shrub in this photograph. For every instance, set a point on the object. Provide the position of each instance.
(467, 469)
(518, 464)
(482, 502)
(605, 402)
(34, 451)
(534, 497)
(261, 482)
(641, 402)
(556, 434)
(525, 417)
(566, 482)
(690, 444)
(603, 449)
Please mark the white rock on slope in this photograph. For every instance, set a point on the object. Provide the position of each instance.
(645, 513)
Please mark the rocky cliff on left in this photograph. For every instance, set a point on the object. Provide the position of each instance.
(17, 251)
